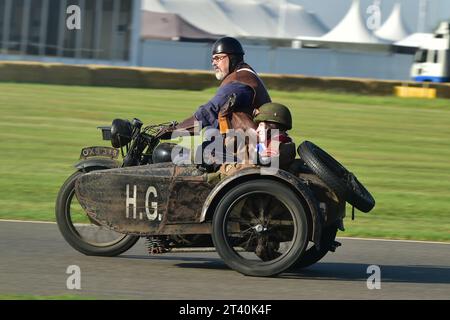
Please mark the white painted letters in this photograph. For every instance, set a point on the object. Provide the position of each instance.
(131, 201)
(154, 205)
(151, 207)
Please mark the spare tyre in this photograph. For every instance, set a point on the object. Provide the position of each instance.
(336, 176)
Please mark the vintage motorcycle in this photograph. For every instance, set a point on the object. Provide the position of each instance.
(260, 224)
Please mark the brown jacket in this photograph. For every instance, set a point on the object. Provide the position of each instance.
(246, 75)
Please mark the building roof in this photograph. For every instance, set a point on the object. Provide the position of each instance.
(415, 40)
(170, 26)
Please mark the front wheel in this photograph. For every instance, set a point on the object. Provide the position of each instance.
(81, 232)
(260, 228)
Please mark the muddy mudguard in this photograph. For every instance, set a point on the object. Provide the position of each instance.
(106, 163)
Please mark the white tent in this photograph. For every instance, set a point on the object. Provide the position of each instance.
(351, 29)
(394, 28)
(153, 5)
(205, 15)
(292, 20)
(301, 22)
(250, 16)
(243, 18)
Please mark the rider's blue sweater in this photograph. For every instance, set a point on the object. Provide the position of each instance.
(208, 113)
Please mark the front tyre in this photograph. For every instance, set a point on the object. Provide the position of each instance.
(82, 233)
(260, 228)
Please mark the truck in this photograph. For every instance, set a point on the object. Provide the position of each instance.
(432, 59)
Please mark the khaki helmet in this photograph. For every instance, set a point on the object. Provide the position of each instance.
(275, 112)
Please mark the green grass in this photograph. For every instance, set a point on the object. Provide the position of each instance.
(399, 148)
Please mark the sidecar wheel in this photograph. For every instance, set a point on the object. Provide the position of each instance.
(260, 228)
(82, 233)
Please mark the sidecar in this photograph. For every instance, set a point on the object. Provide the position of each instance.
(260, 223)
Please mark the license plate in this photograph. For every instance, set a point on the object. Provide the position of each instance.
(99, 152)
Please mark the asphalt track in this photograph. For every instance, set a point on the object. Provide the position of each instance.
(34, 260)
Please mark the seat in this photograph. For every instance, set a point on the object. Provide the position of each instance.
(287, 154)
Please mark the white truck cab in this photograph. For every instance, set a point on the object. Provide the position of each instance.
(432, 60)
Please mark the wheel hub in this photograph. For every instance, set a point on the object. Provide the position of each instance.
(259, 228)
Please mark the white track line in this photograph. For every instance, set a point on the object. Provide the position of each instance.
(392, 240)
(343, 238)
(26, 221)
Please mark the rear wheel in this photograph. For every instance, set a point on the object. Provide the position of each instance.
(312, 255)
(260, 228)
(80, 231)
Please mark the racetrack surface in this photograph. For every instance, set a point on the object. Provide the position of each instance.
(34, 258)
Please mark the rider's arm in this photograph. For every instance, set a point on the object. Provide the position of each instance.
(208, 113)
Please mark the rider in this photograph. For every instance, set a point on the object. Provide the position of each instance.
(236, 77)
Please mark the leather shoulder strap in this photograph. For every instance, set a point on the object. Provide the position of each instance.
(247, 69)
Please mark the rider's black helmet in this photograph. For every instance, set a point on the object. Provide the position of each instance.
(232, 48)
(228, 45)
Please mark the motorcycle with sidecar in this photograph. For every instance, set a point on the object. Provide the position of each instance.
(260, 224)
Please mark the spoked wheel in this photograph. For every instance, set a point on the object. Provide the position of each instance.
(260, 228)
(82, 233)
(336, 176)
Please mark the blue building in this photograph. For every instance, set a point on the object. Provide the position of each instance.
(37, 30)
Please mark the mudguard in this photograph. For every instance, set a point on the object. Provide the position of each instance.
(106, 163)
(297, 184)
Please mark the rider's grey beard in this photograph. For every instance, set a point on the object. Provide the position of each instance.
(220, 75)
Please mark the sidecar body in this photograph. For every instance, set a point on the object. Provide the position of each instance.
(165, 199)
